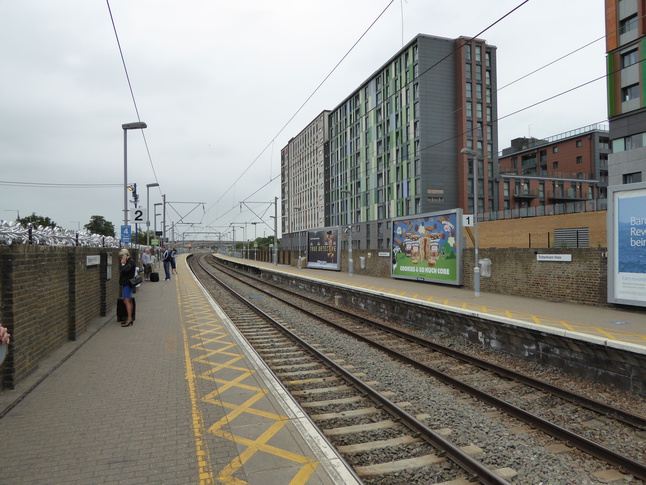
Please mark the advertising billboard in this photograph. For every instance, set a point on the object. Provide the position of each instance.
(428, 247)
(627, 244)
(322, 248)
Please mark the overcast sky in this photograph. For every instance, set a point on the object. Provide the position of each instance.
(217, 82)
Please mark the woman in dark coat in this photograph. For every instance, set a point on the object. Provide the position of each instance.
(126, 274)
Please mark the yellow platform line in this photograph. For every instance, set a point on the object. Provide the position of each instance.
(189, 301)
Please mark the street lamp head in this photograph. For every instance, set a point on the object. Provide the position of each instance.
(468, 151)
(152, 185)
(134, 126)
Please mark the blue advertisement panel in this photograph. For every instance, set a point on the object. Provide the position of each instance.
(322, 248)
(627, 245)
(428, 247)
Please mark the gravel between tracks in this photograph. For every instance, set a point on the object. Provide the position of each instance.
(506, 442)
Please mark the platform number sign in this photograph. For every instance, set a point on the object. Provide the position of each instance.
(139, 215)
(467, 220)
(126, 234)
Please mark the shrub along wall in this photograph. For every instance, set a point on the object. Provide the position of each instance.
(48, 295)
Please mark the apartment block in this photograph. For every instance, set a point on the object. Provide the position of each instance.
(395, 141)
(304, 183)
(626, 52)
(547, 175)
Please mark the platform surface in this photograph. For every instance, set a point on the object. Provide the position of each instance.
(178, 398)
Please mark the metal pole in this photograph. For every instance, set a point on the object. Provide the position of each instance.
(349, 217)
(164, 221)
(275, 231)
(125, 177)
(476, 268)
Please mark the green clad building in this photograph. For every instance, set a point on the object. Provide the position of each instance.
(393, 145)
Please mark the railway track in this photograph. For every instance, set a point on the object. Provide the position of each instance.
(325, 396)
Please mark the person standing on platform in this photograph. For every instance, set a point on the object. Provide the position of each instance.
(147, 262)
(126, 274)
(173, 265)
(166, 257)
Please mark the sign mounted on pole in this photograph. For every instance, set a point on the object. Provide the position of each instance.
(126, 234)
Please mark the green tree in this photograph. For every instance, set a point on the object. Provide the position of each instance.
(98, 225)
(35, 220)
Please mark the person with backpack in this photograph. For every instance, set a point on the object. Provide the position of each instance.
(166, 259)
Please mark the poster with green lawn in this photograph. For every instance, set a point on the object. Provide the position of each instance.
(427, 247)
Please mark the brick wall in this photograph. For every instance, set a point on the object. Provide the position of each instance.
(47, 297)
(516, 271)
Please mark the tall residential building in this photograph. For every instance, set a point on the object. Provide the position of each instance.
(303, 180)
(626, 53)
(395, 141)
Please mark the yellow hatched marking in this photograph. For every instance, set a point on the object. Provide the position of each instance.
(205, 469)
(566, 325)
(211, 332)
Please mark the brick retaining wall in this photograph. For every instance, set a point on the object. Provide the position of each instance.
(47, 297)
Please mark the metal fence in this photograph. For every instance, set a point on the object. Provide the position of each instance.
(546, 210)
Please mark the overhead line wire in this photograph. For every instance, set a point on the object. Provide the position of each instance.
(132, 93)
(352, 48)
(308, 99)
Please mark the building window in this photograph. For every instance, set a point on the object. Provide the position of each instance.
(632, 178)
(478, 91)
(630, 92)
(469, 91)
(628, 24)
(467, 51)
(579, 143)
(479, 48)
(629, 58)
(555, 165)
(579, 160)
(555, 149)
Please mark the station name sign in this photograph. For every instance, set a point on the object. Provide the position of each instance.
(554, 257)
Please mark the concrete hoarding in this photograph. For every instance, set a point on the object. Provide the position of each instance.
(428, 247)
(627, 244)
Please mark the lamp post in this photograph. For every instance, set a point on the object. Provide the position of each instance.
(148, 211)
(128, 126)
(472, 155)
(255, 239)
(275, 231)
(350, 260)
(298, 209)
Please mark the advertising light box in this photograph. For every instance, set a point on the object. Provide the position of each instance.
(627, 244)
(322, 248)
(428, 247)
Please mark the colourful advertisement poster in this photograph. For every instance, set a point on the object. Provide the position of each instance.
(322, 248)
(427, 247)
(627, 246)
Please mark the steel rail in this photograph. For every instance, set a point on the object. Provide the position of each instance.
(625, 463)
(624, 416)
(484, 474)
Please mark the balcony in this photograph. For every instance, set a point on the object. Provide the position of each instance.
(525, 194)
(569, 195)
